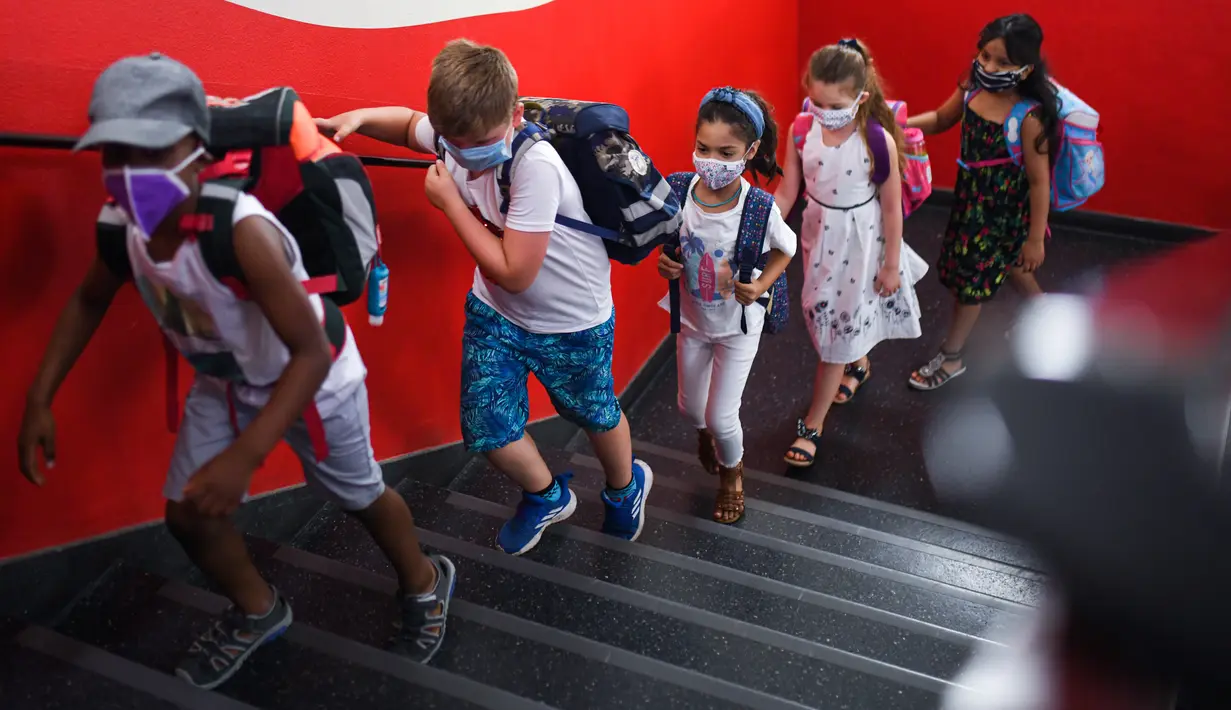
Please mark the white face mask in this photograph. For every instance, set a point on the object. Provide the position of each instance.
(717, 174)
(837, 118)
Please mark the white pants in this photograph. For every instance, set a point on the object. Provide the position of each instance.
(712, 376)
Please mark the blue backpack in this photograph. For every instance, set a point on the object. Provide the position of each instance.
(630, 205)
(749, 254)
(1077, 172)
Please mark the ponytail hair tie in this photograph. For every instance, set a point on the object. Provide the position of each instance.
(740, 101)
(853, 45)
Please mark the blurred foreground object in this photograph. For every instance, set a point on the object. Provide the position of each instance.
(1102, 444)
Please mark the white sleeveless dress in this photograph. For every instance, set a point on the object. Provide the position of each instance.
(843, 245)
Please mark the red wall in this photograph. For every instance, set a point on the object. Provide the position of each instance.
(113, 446)
(1155, 70)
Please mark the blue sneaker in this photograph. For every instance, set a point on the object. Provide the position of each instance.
(626, 512)
(522, 532)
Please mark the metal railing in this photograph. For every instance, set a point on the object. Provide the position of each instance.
(53, 142)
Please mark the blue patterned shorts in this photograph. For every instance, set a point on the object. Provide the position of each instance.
(498, 356)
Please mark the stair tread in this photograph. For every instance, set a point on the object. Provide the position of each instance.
(687, 533)
(846, 507)
(33, 681)
(663, 637)
(129, 617)
(517, 660)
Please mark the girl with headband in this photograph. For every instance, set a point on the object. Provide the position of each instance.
(721, 318)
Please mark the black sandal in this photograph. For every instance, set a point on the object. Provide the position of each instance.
(861, 375)
(933, 375)
(803, 432)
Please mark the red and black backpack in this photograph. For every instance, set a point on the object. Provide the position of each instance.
(268, 146)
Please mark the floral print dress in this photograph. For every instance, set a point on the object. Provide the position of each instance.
(990, 219)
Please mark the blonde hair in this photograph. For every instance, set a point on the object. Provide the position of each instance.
(843, 62)
(473, 89)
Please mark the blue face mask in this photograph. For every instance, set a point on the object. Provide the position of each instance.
(481, 157)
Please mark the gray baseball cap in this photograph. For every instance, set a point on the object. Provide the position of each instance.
(148, 102)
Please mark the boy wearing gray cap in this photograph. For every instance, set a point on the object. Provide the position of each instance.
(265, 370)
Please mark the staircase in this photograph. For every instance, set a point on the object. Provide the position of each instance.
(818, 599)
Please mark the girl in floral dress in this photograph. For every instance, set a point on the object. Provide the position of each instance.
(999, 218)
(859, 275)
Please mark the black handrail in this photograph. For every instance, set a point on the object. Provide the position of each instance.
(52, 142)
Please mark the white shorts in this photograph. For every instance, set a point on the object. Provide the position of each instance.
(336, 452)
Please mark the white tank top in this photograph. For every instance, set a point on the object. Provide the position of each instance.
(223, 336)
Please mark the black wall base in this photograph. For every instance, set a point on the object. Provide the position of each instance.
(1118, 225)
(41, 586)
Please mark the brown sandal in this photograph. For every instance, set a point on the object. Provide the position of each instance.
(729, 505)
(707, 451)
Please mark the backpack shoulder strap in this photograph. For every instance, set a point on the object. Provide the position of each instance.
(878, 146)
(111, 239)
(753, 225)
(211, 227)
(750, 245)
(529, 134)
(1013, 127)
(679, 182)
(800, 128)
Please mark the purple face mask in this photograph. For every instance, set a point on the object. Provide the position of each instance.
(148, 195)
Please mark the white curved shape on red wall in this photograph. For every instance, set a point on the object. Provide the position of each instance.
(379, 14)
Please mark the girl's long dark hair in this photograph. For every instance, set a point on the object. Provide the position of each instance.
(1023, 40)
(765, 162)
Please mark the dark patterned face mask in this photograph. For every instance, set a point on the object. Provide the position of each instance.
(999, 80)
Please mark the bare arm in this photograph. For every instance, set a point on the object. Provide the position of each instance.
(942, 119)
(891, 209)
(394, 125)
(281, 298)
(513, 262)
(1038, 172)
(76, 325)
(775, 264)
(788, 187)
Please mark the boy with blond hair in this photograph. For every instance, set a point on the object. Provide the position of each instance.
(541, 299)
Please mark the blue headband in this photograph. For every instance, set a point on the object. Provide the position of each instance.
(741, 101)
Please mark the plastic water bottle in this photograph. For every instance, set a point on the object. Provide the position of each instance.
(378, 292)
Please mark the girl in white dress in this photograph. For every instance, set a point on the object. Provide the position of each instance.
(859, 275)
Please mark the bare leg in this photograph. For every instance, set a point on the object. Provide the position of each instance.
(964, 318)
(614, 450)
(218, 549)
(1024, 282)
(391, 525)
(852, 383)
(824, 389)
(522, 462)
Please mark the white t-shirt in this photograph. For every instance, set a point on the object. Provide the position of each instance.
(220, 334)
(707, 285)
(572, 291)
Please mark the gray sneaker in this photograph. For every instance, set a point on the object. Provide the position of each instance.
(215, 657)
(422, 629)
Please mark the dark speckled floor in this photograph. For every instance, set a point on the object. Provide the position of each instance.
(872, 445)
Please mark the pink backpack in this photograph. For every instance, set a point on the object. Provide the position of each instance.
(916, 181)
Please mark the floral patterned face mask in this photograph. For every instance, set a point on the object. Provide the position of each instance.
(717, 174)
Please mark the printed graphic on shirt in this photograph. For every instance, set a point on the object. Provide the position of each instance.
(184, 318)
(180, 316)
(708, 274)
